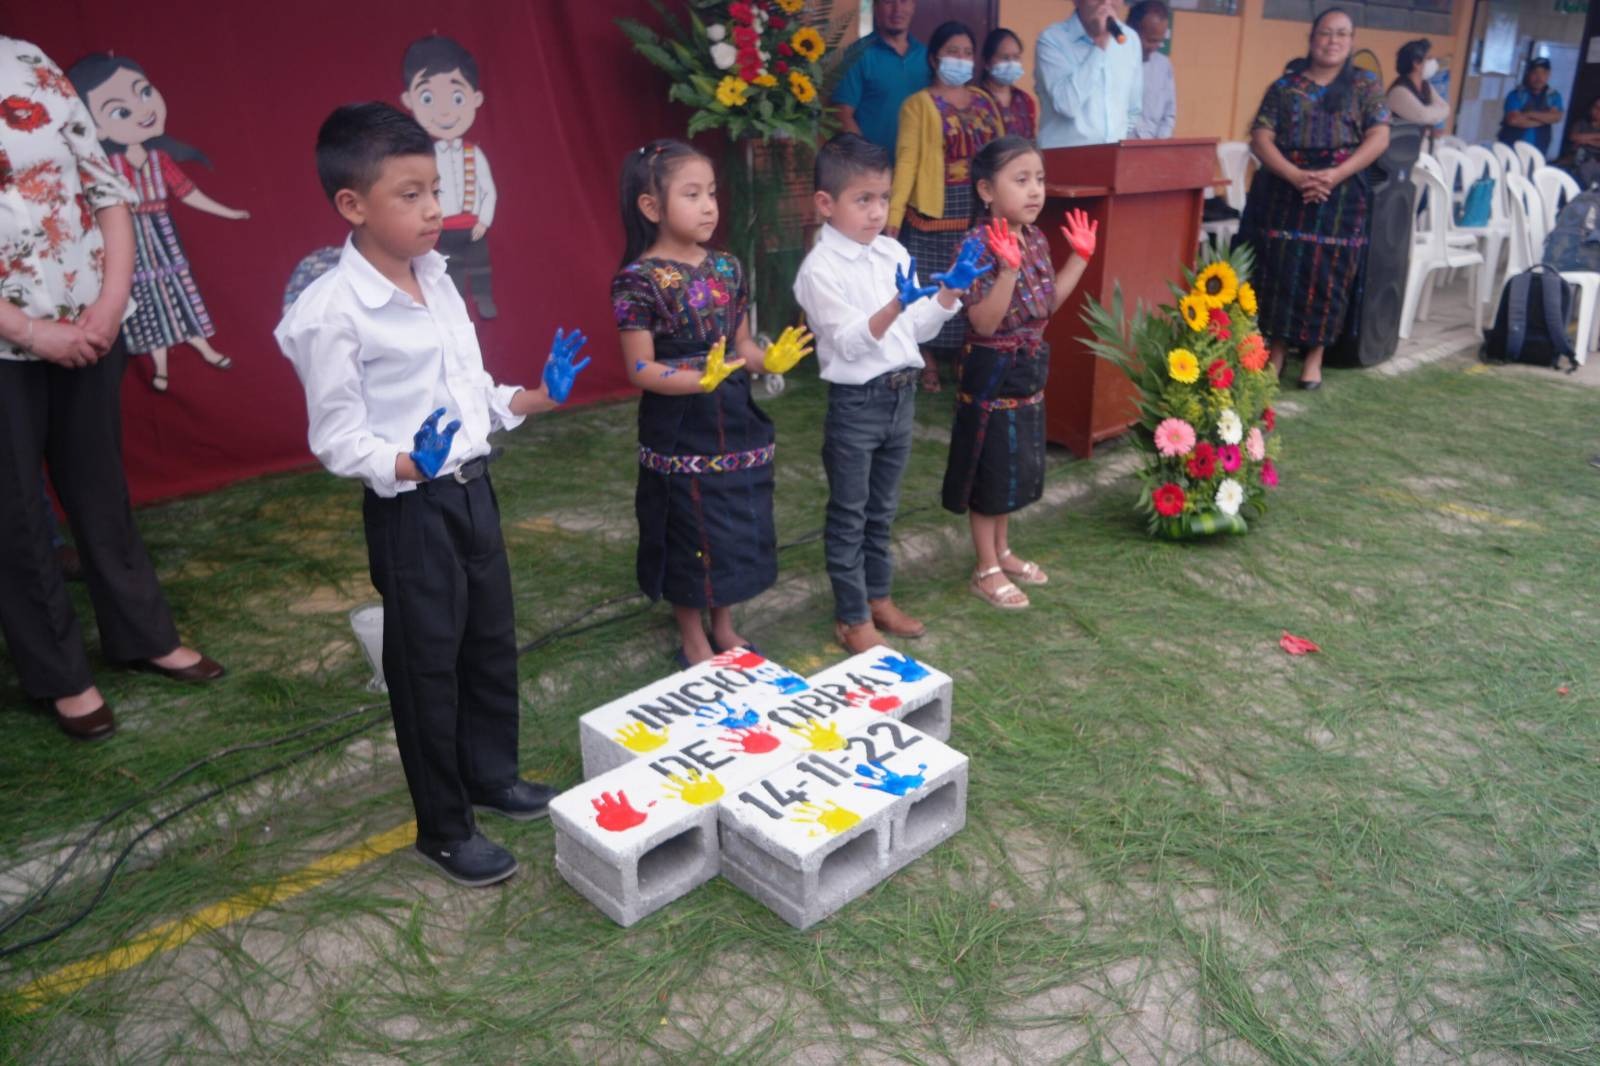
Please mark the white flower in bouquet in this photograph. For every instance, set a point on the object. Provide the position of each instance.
(1229, 428)
(1230, 496)
(716, 31)
(724, 55)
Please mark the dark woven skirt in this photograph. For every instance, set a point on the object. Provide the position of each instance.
(997, 452)
(935, 251)
(1307, 255)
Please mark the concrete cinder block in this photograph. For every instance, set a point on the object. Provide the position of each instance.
(659, 716)
(820, 831)
(895, 685)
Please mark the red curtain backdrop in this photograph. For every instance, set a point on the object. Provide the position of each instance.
(248, 84)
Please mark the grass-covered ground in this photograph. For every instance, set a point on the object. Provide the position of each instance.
(1182, 844)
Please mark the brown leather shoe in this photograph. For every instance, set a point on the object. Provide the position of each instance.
(96, 725)
(893, 621)
(207, 669)
(858, 638)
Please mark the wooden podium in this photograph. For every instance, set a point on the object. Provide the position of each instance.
(1147, 197)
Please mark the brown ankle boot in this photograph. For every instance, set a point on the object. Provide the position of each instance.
(858, 638)
(893, 621)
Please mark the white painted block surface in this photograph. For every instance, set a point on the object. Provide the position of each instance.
(893, 684)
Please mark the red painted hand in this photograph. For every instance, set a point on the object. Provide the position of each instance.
(615, 813)
(1080, 234)
(1003, 243)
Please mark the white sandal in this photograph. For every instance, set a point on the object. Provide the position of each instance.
(1030, 574)
(1007, 597)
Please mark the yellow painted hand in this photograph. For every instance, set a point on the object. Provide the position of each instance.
(792, 345)
(828, 815)
(695, 787)
(640, 738)
(717, 366)
(819, 737)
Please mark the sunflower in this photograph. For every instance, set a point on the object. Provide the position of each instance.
(764, 81)
(1194, 311)
(808, 43)
(801, 86)
(792, 7)
(731, 90)
(1247, 298)
(1182, 366)
(1217, 285)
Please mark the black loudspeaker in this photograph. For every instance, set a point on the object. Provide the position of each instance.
(1372, 325)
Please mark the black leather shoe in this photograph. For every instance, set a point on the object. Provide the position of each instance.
(474, 862)
(522, 802)
(1311, 386)
(98, 724)
(207, 669)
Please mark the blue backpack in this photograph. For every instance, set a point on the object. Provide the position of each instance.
(1478, 207)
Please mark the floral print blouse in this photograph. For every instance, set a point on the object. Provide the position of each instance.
(676, 301)
(53, 178)
(1034, 294)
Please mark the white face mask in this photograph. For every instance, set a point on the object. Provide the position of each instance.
(1006, 73)
(1430, 67)
(954, 71)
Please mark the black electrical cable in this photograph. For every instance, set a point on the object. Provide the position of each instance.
(569, 628)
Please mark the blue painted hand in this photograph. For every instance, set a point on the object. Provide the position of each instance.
(906, 282)
(559, 371)
(430, 448)
(907, 668)
(965, 270)
(789, 684)
(884, 779)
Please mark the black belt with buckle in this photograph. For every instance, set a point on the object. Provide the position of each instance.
(899, 379)
(471, 470)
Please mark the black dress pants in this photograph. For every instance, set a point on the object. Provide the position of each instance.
(449, 646)
(71, 420)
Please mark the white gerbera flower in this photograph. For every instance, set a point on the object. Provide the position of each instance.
(724, 55)
(1230, 496)
(1229, 428)
(716, 31)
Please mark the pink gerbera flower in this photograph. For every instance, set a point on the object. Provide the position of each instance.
(1174, 437)
(1254, 445)
(1231, 459)
(1269, 474)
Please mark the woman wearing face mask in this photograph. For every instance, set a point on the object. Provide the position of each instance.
(1002, 69)
(1411, 97)
(930, 207)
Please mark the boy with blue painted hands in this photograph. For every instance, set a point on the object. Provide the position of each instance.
(379, 342)
(869, 314)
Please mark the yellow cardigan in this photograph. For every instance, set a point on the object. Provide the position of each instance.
(919, 158)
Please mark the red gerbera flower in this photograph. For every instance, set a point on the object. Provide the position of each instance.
(777, 22)
(785, 48)
(1220, 323)
(1220, 373)
(1203, 463)
(20, 113)
(1168, 500)
(1269, 418)
(740, 12)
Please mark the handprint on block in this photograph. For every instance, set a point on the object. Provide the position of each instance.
(640, 738)
(819, 737)
(828, 816)
(729, 718)
(694, 788)
(750, 741)
(904, 667)
(615, 813)
(789, 684)
(743, 658)
(884, 779)
(885, 704)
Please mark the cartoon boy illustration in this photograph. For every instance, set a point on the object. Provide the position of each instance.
(441, 92)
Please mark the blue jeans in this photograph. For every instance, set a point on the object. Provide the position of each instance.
(866, 442)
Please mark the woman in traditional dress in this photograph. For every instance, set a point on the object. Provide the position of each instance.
(1318, 129)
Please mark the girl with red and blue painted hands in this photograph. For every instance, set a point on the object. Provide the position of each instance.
(997, 452)
(704, 498)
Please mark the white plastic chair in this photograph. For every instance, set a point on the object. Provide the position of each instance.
(1234, 159)
(1452, 161)
(1436, 253)
(1508, 158)
(1526, 248)
(1557, 189)
(1451, 141)
(1493, 235)
(1531, 159)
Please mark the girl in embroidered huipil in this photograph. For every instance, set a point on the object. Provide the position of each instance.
(997, 444)
(131, 116)
(704, 499)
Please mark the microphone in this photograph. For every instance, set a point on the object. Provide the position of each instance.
(1115, 30)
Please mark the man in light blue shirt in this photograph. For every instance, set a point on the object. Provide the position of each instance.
(1159, 113)
(1090, 86)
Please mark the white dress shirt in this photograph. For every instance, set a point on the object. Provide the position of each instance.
(1158, 114)
(1087, 95)
(840, 286)
(375, 363)
(452, 159)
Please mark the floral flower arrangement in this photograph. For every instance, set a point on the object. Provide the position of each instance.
(751, 67)
(1206, 421)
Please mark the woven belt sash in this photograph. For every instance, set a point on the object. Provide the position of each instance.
(1003, 403)
(705, 464)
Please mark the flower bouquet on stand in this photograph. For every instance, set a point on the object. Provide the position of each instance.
(1206, 423)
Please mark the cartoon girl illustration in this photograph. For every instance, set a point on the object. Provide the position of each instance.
(130, 116)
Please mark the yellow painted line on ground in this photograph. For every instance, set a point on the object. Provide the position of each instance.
(1457, 510)
(176, 933)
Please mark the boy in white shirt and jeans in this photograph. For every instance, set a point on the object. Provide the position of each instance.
(383, 345)
(861, 298)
